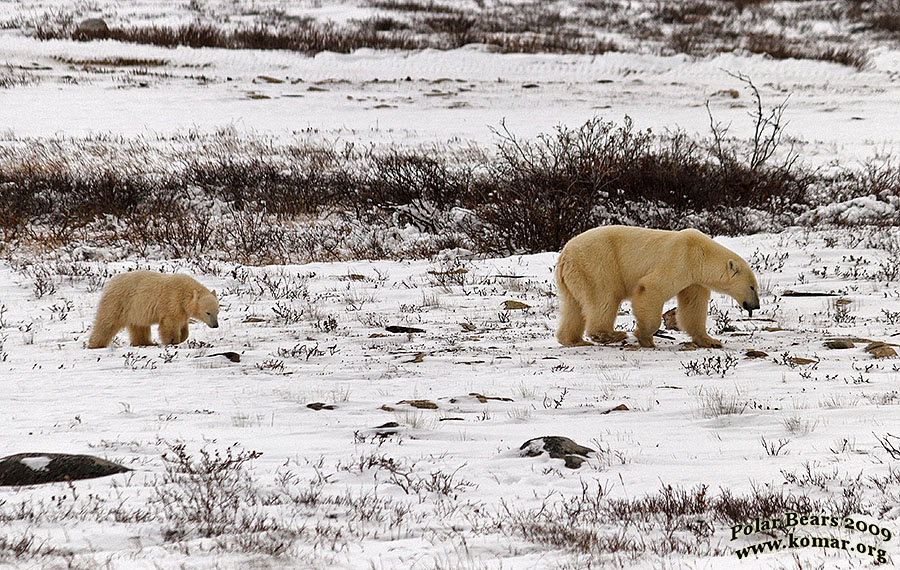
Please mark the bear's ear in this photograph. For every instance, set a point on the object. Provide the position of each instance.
(196, 295)
(214, 293)
(734, 267)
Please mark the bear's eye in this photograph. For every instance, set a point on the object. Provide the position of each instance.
(208, 313)
(752, 288)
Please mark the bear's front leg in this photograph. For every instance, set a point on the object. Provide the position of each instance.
(647, 309)
(693, 303)
(169, 332)
(183, 334)
(140, 336)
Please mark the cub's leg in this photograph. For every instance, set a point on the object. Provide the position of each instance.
(693, 303)
(169, 332)
(102, 334)
(183, 334)
(140, 336)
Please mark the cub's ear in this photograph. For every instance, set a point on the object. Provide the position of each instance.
(734, 267)
(214, 293)
(196, 295)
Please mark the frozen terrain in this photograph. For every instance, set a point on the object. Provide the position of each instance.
(414, 461)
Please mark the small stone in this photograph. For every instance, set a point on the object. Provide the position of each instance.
(515, 305)
(484, 399)
(90, 29)
(670, 319)
(839, 344)
(230, 355)
(421, 404)
(320, 406)
(619, 408)
(419, 357)
(756, 354)
(468, 327)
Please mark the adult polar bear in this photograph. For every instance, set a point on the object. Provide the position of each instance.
(602, 267)
(139, 299)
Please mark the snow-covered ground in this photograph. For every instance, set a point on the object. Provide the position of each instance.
(446, 487)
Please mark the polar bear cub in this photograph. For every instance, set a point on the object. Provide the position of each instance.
(139, 299)
(602, 267)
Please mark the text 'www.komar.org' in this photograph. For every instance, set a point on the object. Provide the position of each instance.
(792, 540)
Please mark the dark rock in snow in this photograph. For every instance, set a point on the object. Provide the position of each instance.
(400, 329)
(557, 447)
(91, 29)
(37, 468)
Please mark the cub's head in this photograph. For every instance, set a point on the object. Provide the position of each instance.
(741, 284)
(206, 308)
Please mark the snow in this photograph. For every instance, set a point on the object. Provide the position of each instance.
(36, 463)
(132, 405)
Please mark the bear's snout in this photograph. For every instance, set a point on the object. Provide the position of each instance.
(751, 303)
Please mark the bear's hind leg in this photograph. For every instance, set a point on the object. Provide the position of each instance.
(571, 321)
(140, 336)
(647, 309)
(102, 335)
(601, 318)
(693, 303)
(169, 332)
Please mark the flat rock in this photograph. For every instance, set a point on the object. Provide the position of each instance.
(38, 468)
(421, 404)
(756, 354)
(839, 344)
(402, 329)
(880, 350)
(557, 447)
(509, 305)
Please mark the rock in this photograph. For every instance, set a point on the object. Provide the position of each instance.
(419, 357)
(880, 350)
(670, 319)
(515, 305)
(839, 344)
(468, 327)
(756, 354)
(484, 399)
(37, 468)
(91, 29)
(800, 361)
(267, 79)
(619, 408)
(421, 404)
(400, 329)
(230, 355)
(320, 406)
(253, 320)
(557, 447)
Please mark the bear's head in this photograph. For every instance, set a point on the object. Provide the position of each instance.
(741, 284)
(206, 308)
